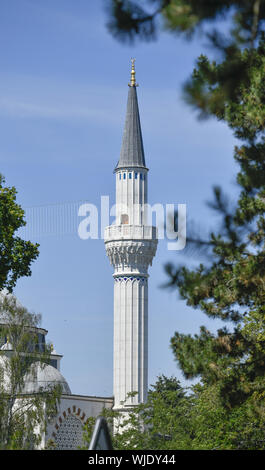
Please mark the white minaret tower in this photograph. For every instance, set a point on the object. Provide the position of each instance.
(131, 245)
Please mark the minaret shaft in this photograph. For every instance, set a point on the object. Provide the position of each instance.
(130, 341)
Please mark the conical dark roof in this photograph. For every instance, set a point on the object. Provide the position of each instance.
(132, 150)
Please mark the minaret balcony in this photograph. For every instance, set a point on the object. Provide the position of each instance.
(130, 232)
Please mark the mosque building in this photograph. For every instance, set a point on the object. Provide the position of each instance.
(130, 246)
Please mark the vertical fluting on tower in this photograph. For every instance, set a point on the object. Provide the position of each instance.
(131, 245)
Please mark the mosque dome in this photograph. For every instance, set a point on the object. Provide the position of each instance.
(44, 377)
(39, 377)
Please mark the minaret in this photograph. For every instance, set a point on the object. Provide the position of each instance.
(131, 245)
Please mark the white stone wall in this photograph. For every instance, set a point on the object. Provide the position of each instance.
(131, 196)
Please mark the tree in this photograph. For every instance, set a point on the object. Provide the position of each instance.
(24, 413)
(131, 20)
(217, 427)
(230, 283)
(160, 423)
(231, 286)
(16, 255)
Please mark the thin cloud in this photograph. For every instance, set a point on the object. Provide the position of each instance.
(24, 109)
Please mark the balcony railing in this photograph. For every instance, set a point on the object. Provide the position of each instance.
(130, 232)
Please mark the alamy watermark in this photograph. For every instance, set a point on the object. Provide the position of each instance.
(93, 224)
(89, 221)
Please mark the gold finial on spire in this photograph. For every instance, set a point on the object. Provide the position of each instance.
(133, 82)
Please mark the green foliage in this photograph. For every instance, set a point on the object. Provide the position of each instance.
(23, 416)
(231, 287)
(16, 255)
(173, 420)
(161, 423)
(132, 19)
(233, 90)
(216, 427)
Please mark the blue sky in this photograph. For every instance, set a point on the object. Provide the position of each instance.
(62, 108)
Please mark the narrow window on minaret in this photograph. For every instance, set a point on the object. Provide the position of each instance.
(136, 174)
(124, 219)
(120, 176)
(141, 176)
(130, 176)
(124, 176)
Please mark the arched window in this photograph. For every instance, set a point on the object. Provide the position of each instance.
(70, 434)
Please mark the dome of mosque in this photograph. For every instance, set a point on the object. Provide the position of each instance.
(44, 377)
(40, 377)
